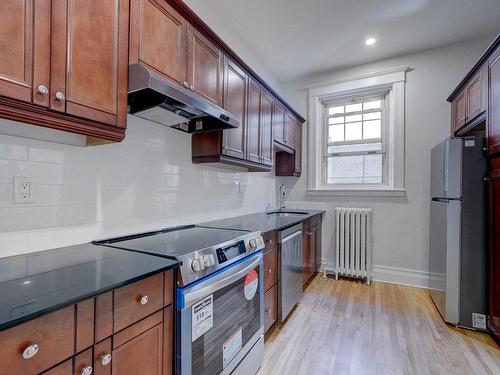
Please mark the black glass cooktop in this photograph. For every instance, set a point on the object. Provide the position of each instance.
(32, 284)
(177, 241)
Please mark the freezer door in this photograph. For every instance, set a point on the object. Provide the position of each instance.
(444, 258)
(446, 169)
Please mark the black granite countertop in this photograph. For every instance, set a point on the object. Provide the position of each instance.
(264, 222)
(36, 283)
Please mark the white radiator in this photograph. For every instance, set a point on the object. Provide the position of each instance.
(353, 242)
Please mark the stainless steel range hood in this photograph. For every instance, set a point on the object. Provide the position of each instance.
(154, 98)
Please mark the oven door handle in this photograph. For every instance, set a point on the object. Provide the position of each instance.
(220, 281)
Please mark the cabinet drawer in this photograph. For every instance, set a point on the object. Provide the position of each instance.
(270, 307)
(270, 269)
(51, 337)
(136, 301)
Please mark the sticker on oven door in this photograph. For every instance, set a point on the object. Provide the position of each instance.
(251, 284)
(202, 316)
(231, 347)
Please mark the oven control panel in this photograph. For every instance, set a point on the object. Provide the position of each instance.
(231, 252)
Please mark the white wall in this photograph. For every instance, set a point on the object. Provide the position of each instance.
(401, 225)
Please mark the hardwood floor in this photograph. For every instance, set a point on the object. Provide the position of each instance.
(345, 327)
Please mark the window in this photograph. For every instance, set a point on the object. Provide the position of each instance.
(356, 135)
(355, 140)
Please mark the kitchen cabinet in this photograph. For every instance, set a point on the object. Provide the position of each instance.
(458, 114)
(309, 231)
(289, 130)
(298, 147)
(494, 249)
(67, 62)
(278, 123)
(266, 129)
(254, 103)
(271, 279)
(270, 307)
(290, 164)
(126, 330)
(493, 74)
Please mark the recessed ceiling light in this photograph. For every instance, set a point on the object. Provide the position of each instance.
(370, 41)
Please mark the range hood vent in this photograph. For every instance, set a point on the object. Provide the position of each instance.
(156, 99)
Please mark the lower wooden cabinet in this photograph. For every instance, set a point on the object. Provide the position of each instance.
(308, 252)
(270, 307)
(270, 268)
(65, 368)
(494, 250)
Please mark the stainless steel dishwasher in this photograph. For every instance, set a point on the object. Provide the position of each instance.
(290, 290)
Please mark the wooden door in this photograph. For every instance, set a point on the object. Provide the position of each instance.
(494, 103)
(473, 96)
(266, 129)
(94, 44)
(235, 89)
(298, 146)
(141, 355)
(158, 38)
(253, 121)
(16, 46)
(204, 67)
(278, 123)
(289, 129)
(494, 249)
(458, 111)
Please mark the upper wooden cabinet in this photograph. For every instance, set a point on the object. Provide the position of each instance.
(16, 42)
(278, 122)
(158, 38)
(235, 94)
(289, 130)
(266, 129)
(298, 147)
(493, 73)
(254, 103)
(458, 111)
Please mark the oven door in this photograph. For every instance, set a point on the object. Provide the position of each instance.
(221, 319)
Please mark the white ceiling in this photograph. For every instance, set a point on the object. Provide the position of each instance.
(300, 37)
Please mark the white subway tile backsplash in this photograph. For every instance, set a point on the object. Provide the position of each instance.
(145, 182)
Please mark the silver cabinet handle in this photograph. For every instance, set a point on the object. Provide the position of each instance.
(86, 370)
(191, 87)
(186, 85)
(43, 90)
(144, 300)
(30, 351)
(270, 242)
(106, 359)
(269, 311)
(269, 271)
(60, 96)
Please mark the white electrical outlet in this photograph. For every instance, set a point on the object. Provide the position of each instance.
(24, 190)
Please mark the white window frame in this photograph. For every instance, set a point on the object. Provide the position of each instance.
(365, 96)
(393, 81)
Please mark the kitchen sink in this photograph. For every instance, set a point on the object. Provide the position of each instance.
(287, 213)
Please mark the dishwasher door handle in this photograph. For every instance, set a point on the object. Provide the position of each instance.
(290, 236)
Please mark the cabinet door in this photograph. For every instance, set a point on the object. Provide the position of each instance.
(494, 252)
(458, 111)
(312, 251)
(235, 89)
(278, 122)
(96, 67)
(494, 103)
(298, 147)
(306, 249)
(253, 121)
(65, 368)
(289, 129)
(141, 355)
(473, 95)
(16, 44)
(158, 38)
(270, 307)
(266, 130)
(204, 68)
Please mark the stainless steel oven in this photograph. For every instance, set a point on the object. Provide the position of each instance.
(221, 321)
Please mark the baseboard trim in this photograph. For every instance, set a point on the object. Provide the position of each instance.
(391, 275)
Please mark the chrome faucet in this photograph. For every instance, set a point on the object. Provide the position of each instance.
(282, 196)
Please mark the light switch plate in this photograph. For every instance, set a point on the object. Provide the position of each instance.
(24, 190)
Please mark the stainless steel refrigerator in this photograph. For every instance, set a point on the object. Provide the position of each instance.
(457, 262)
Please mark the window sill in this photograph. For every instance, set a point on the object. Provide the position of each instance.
(357, 192)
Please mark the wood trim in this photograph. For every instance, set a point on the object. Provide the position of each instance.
(223, 159)
(202, 27)
(103, 316)
(123, 50)
(84, 325)
(476, 67)
(36, 115)
(41, 51)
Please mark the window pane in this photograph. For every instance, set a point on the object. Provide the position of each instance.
(353, 118)
(335, 120)
(360, 147)
(354, 107)
(355, 169)
(371, 105)
(335, 110)
(372, 129)
(336, 133)
(353, 131)
(372, 116)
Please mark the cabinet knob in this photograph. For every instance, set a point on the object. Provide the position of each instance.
(106, 359)
(60, 96)
(144, 300)
(486, 179)
(268, 311)
(186, 85)
(43, 90)
(269, 270)
(86, 370)
(270, 242)
(191, 87)
(30, 351)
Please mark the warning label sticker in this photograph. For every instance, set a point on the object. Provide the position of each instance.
(202, 316)
(251, 284)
